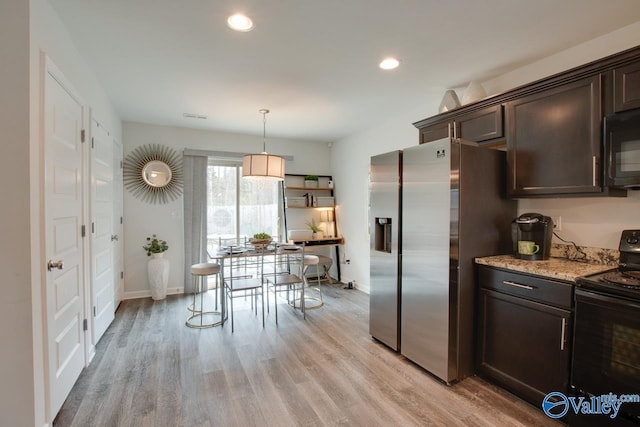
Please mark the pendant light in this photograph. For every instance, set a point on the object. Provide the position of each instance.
(263, 166)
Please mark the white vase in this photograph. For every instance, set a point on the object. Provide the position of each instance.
(449, 101)
(474, 92)
(158, 271)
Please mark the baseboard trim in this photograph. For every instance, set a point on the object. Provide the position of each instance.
(147, 293)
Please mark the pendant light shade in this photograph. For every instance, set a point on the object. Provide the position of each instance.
(263, 166)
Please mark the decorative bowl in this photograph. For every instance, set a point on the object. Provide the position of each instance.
(260, 244)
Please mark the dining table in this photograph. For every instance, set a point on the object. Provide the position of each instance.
(229, 253)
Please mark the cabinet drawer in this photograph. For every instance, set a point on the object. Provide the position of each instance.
(553, 292)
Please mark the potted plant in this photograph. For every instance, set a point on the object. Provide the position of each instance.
(260, 240)
(157, 267)
(315, 228)
(155, 245)
(311, 181)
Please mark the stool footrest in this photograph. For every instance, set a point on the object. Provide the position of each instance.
(200, 325)
(316, 303)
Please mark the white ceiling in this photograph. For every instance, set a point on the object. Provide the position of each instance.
(314, 63)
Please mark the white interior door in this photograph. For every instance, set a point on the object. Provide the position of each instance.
(118, 208)
(102, 259)
(63, 212)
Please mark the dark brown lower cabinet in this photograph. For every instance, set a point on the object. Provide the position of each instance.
(523, 344)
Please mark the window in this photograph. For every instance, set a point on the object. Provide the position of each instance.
(239, 207)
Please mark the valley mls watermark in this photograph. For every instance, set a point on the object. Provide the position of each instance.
(557, 405)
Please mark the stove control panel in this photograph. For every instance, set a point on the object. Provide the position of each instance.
(630, 250)
(630, 241)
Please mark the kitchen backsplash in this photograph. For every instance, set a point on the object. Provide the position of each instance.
(591, 255)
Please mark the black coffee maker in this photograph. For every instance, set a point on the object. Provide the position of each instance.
(531, 234)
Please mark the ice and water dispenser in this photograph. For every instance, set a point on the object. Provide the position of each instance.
(382, 233)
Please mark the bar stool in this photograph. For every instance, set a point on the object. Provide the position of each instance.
(200, 273)
(310, 260)
(326, 264)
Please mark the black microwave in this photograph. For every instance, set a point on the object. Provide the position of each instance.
(622, 149)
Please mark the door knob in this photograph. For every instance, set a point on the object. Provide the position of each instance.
(114, 237)
(58, 264)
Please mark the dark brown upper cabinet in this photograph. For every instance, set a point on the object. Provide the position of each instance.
(553, 140)
(482, 125)
(435, 132)
(552, 127)
(626, 81)
(485, 125)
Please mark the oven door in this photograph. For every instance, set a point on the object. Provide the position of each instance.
(606, 349)
(622, 145)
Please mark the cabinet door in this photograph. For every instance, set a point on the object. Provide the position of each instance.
(553, 140)
(482, 125)
(435, 132)
(626, 87)
(524, 345)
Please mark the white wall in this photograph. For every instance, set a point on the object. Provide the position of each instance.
(591, 222)
(350, 163)
(143, 219)
(17, 395)
(51, 37)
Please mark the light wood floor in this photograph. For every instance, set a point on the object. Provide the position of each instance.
(151, 370)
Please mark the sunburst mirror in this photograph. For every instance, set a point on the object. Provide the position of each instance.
(153, 173)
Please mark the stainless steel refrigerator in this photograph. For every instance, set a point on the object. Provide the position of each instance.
(450, 209)
(385, 256)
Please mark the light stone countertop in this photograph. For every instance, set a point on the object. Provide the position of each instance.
(553, 268)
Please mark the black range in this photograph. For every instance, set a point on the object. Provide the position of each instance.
(625, 280)
(606, 352)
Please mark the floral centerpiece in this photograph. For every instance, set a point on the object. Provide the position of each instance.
(155, 245)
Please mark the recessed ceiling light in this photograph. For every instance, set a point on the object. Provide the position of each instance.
(240, 22)
(389, 63)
